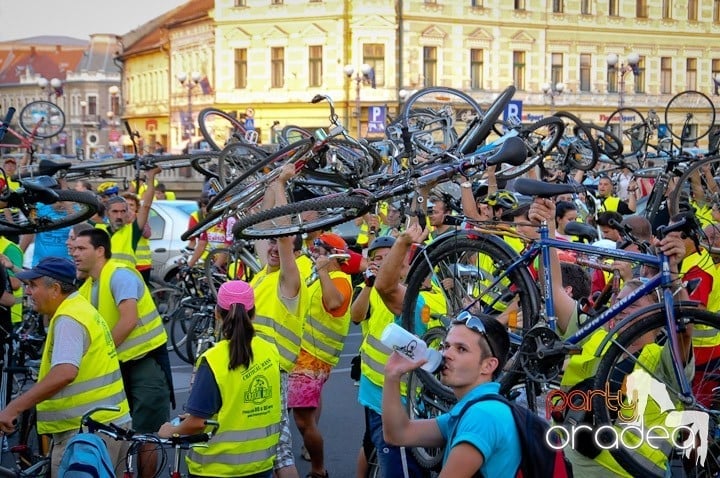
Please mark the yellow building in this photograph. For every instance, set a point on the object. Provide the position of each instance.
(275, 55)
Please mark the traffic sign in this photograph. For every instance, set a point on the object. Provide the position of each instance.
(513, 110)
(376, 119)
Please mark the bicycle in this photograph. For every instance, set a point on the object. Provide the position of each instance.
(506, 288)
(179, 443)
(37, 120)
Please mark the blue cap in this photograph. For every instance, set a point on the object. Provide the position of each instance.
(54, 267)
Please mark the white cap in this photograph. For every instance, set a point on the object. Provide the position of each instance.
(434, 358)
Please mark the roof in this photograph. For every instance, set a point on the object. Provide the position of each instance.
(31, 62)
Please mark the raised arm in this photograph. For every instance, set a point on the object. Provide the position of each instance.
(147, 198)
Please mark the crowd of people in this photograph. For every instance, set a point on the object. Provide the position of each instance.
(283, 332)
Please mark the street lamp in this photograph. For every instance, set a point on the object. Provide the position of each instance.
(365, 75)
(633, 59)
(552, 91)
(50, 86)
(189, 81)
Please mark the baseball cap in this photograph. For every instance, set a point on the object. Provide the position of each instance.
(9, 159)
(332, 240)
(235, 292)
(54, 267)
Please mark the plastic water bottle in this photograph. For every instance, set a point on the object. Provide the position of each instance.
(411, 346)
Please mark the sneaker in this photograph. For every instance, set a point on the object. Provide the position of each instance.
(305, 454)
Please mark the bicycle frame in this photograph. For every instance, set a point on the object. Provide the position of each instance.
(662, 279)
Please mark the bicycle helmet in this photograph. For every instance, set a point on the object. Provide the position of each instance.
(380, 242)
(503, 198)
(108, 188)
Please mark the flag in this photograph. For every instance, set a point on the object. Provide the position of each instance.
(206, 87)
(371, 77)
(58, 92)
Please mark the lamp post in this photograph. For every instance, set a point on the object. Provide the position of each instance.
(50, 86)
(189, 81)
(552, 91)
(631, 65)
(363, 76)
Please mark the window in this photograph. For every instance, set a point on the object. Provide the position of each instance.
(585, 7)
(241, 68)
(612, 80)
(641, 9)
(277, 66)
(430, 65)
(640, 76)
(585, 70)
(519, 69)
(691, 74)
(374, 55)
(519, 4)
(241, 3)
(92, 106)
(558, 6)
(476, 69)
(614, 8)
(556, 68)
(115, 104)
(431, 2)
(716, 11)
(665, 75)
(667, 9)
(476, 3)
(315, 65)
(276, 2)
(692, 10)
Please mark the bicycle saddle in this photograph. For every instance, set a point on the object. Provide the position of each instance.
(513, 151)
(46, 167)
(585, 232)
(533, 187)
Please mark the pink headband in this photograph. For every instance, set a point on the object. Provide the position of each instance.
(235, 292)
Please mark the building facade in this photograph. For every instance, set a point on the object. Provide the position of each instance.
(274, 55)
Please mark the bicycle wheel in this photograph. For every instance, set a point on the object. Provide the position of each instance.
(540, 137)
(607, 142)
(301, 217)
(629, 125)
(638, 348)
(41, 119)
(179, 326)
(220, 128)
(223, 264)
(201, 334)
(471, 268)
(235, 159)
(79, 206)
(689, 116)
(291, 134)
(167, 300)
(697, 190)
(482, 126)
(249, 187)
(574, 148)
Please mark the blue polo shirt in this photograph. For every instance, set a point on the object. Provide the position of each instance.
(489, 427)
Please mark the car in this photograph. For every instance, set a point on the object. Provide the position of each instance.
(168, 220)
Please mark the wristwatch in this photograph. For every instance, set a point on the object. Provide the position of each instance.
(466, 184)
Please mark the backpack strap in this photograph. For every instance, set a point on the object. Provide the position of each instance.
(470, 403)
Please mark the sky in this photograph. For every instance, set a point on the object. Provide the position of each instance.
(77, 18)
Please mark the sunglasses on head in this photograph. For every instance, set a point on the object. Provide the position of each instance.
(475, 324)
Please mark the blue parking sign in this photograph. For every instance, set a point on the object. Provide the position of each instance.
(376, 119)
(513, 110)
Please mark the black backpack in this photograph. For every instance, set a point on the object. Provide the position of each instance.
(538, 459)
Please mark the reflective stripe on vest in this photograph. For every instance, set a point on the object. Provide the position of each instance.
(374, 353)
(323, 333)
(16, 311)
(272, 319)
(121, 246)
(143, 254)
(98, 380)
(148, 333)
(249, 417)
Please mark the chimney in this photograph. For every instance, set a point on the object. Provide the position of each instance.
(58, 48)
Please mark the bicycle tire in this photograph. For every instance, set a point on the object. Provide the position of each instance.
(36, 220)
(200, 337)
(235, 159)
(219, 128)
(234, 265)
(209, 220)
(697, 181)
(541, 137)
(685, 106)
(288, 220)
(292, 133)
(608, 143)
(480, 131)
(53, 119)
(440, 260)
(167, 300)
(247, 190)
(576, 150)
(180, 326)
(616, 363)
(630, 125)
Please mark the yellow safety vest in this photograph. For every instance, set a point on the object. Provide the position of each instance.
(703, 335)
(149, 332)
(98, 382)
(703, 213)
(609, 204)
(16, 311)
(305, 266)
(121, 246)
(435, 304)
(363, 237)
(374, 354)
(249, 417)
(143, 254)
(273, 321)
(323, 333)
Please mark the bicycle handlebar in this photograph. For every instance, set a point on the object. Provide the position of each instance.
(6, 122)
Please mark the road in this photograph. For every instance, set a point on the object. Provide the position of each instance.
(341, 424)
